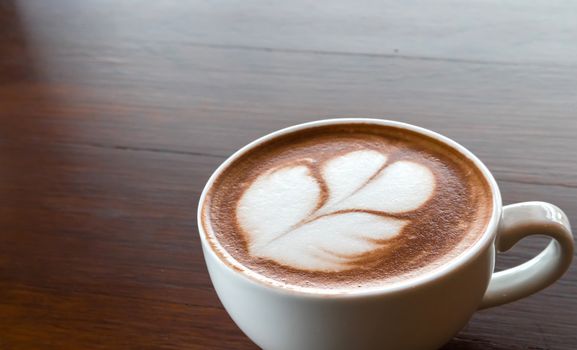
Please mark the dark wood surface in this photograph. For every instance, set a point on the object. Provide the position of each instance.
(113, 114)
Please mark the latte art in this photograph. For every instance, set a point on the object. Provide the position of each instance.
(325, 222)
(345, 206)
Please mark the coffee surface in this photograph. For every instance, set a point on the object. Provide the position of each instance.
(346, 206)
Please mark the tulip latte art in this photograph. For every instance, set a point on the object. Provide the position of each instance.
(346, 206)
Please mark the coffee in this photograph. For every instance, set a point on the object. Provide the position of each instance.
(346, 206)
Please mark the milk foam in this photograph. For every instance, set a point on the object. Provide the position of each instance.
(286, 217)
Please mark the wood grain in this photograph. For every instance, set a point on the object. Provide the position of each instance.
(113, 114)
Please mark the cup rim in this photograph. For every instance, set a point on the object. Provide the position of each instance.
(463, 258)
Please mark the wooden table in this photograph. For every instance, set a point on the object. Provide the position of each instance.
(114, 113)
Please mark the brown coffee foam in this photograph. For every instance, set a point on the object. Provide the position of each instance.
(449, 222)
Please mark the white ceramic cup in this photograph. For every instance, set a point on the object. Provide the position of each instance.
(423, 312)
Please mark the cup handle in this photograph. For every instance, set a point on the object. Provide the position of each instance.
(521, 220)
